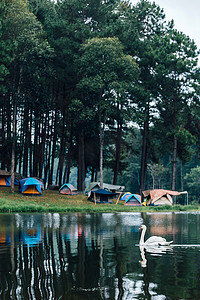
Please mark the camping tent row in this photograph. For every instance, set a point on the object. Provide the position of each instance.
(33, 186)
(153, 197)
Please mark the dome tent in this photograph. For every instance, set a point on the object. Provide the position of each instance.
(68, 189)
(30, 186)
(133, 200)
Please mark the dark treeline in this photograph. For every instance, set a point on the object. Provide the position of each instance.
(97, 85)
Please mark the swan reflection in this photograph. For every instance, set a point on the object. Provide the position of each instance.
(154, 250)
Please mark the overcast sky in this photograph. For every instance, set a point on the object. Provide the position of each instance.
(186, 16)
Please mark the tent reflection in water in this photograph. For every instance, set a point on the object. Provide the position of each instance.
(101, 196)
(68, 189)
(30, 186)
(160, 196)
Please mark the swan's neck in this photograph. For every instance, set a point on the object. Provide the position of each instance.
(142, 236)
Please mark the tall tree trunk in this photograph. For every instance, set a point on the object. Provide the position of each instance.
(143, 168)
(65, 174)
(9, 122)
(3, 134)
(8, 115)
(18, 162)
(30, 144)
(96, 176)
(182, 186)
(92, 175)
(36, 145)
(118, 151)
(42, 144)
(173, 182)
(25, 157)
(13, 167)
(57, 174)
(48, 153)
(62, 150)
(173, 185)
(81, 161)
(69, 157)
(101, 141)
(68, 166)
(50, 180)
(63, 135)
(13, 149)
(101, 162)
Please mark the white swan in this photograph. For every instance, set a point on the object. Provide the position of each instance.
(153, 240)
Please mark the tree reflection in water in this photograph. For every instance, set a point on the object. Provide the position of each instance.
(95, 256)
(57, 257)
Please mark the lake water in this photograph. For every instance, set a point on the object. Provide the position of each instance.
(96, 256)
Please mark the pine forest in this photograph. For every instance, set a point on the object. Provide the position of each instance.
(98, 90)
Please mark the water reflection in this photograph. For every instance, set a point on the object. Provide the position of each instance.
(154, 251)
(96, 256)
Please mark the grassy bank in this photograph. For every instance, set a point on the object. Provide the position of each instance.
(51, 201)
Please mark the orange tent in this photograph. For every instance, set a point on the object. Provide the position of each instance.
(160, 196)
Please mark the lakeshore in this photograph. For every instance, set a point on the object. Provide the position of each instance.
(52, 201)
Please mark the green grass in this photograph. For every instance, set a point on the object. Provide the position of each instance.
(51, 201)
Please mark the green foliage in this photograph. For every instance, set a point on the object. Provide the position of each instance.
(157, 173)
(186, 142)
(7, 47)
(103, 61)
(192, 182)
(106, 73)
(29, 46)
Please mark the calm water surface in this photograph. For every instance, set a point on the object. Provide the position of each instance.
(96, 256)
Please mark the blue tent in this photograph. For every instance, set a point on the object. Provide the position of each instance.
(5, 179)
(101, 196)
(30, 186)
(134, 199)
